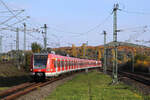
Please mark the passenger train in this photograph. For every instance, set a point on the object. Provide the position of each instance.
(49, 65)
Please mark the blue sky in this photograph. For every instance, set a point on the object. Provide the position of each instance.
(67, 18)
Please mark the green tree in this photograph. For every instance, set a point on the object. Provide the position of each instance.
(36, 48)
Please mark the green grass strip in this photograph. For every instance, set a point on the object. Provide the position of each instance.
(94, 86)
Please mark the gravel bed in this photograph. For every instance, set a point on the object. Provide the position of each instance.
(144, 89)
(45, 91)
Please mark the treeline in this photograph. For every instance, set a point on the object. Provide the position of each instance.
(125, 54)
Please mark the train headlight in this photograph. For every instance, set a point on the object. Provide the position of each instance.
(48, 69)
(51, 70)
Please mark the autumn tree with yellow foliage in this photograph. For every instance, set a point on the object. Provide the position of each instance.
(74, 51)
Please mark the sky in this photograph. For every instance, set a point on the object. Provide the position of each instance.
(78, 21)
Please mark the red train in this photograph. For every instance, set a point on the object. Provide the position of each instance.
(48, 65)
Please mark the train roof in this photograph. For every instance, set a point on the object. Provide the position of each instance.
(64, 57)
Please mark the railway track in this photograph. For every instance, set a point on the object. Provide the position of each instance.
(137, 77)
(25, 88)
(143, 74)
(140, 78)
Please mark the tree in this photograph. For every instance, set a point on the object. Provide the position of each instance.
(99, 54)
(74, 51)
(83, 50)
(36, 48)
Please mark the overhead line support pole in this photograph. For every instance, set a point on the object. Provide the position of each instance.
(105, 56)
(17, 39)
(45, 37)
(17, 47)
(24, 36)
(132, 61)
(1, 44)
(115, 67)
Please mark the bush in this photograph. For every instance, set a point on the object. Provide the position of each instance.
(142, 63)
(28, 56)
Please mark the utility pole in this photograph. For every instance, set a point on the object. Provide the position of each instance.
(115, 67)
(84, 49)
(105, 67)
(86, 43)
(17, 39)
(1, 44)
(132, 61)
(45, 36)
(116, 7)
(11, 48)
(24, 36)
(24, 54)
(17, 47)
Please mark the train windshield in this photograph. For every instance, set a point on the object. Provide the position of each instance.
(40, 61)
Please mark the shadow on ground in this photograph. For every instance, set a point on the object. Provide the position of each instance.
(14, 80)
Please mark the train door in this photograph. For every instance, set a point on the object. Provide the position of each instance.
(66, 64)
(62, 64)
(52, 65)
(72, 64)
(64, 60)
(55, 64)
(78, 64)
(75, 64)
(58, 65)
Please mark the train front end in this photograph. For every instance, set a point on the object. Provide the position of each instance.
(39, 66)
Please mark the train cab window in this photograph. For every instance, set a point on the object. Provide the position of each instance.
(40, 61)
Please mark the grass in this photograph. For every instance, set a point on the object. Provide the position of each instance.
(94, 86)
(11, 76)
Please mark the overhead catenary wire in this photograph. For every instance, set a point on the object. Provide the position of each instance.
(37, 38)
(77, 34)
(133, 29)
(9, 9)
(10, 18)
(13, 23)
(135, 12)
(82, 33)
(15, 14)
